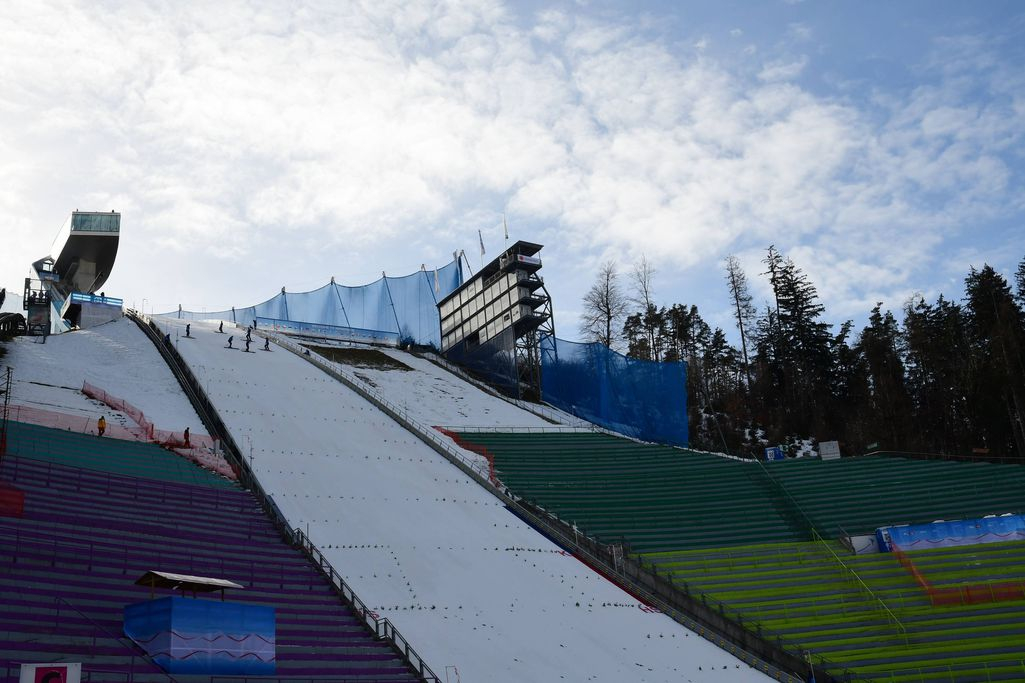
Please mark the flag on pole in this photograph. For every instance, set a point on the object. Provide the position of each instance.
(481, 238)
(437, 285)
(506, 226)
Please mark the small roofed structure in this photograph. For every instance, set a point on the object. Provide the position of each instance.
(185, 582)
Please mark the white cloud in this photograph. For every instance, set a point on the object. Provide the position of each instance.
(262, 143)
(783, 70)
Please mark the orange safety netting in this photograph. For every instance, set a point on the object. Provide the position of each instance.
(473, 448)
(69, 423)
(965, 594)
(149, 431)
(202, 450)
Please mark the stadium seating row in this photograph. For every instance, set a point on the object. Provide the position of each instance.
(99, 513)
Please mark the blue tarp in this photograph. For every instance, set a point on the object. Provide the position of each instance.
(404, 306)
(638, 398)
(207, 637)
(948, 534)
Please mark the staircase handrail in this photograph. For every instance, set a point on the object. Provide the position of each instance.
(120, 641)
(844, 567)
(383, 628)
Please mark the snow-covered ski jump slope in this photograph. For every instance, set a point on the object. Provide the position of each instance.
(468, 583)
(116, 357)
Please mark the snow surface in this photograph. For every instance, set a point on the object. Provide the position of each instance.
(12, 303)
(433, 396)
(117, 357)
(465, 581)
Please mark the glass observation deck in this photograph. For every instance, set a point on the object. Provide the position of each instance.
(88, 221)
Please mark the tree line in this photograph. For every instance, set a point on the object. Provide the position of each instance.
(945, 377)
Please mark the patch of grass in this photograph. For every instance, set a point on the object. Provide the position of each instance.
(360, 358)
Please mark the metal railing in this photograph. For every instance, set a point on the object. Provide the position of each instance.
(608, 560)
(949, 457)
(381, 628)
(846, 569)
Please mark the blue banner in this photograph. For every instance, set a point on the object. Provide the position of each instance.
(207, 637)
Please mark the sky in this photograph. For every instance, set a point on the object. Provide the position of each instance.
(255, 145)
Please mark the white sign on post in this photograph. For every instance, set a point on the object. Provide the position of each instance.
(829, 450)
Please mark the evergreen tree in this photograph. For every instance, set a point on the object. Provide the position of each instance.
(997, 329)
(880, 347)
(1019, 279)
(938, 359)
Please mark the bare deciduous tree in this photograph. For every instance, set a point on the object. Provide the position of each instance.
(641, 276)
(744, 311)
(643, 297)
(605, 305)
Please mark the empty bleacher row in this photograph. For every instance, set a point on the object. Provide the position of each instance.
(99, 513)
(662, 498)
(861, 494)
(653, 497)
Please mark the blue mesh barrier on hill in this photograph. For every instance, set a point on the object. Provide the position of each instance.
(406, 307)
(639, 398)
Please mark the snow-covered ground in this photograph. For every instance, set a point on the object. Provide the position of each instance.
(12, 303)
(469, 584)
(116, 357)
(433, 396)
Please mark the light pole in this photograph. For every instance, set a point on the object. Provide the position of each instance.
(143, 306)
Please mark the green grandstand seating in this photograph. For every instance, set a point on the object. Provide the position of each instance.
(739, 533)
(113, 456)
(662, 498)
(798, 592)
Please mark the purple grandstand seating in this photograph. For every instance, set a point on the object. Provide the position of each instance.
(68, 566)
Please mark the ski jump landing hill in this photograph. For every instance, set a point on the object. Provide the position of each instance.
(479, 593)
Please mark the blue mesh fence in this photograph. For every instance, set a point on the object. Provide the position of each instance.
(642, 399)
(403, 308)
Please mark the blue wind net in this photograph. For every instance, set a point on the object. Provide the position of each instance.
(391, 309)
(638, 398)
